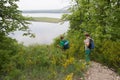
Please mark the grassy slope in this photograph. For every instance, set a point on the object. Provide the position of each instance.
(45, 19)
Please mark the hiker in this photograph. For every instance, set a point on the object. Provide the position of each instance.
(87, 47)
(63, 44)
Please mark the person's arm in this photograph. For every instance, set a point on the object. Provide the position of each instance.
(87, 42)
(58, 46)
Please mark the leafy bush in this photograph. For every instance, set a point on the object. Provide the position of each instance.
(8, 49)
(108, 54)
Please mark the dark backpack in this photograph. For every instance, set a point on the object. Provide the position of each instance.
(66, 44)
(91, 46)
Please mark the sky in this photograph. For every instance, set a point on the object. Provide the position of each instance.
(42, 4)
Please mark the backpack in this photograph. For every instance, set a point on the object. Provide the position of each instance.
(91, 46)
(66, 44)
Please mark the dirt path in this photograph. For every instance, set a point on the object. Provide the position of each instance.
(98, 72)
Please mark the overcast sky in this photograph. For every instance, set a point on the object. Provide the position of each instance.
(42, 4)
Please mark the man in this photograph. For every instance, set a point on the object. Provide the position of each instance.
(64, 44)
(87, 48)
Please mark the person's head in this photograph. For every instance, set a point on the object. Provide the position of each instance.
(87, 35)
(61, 37)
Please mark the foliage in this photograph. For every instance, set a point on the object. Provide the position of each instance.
(47, 62)
(108, 55)
(11, 18)
(41, 62)
(101, 19)
(98, 17)
(8, 48)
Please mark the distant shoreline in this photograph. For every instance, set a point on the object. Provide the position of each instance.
(46, 11)
(45, 19)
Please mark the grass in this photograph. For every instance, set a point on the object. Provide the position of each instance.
(45, 19)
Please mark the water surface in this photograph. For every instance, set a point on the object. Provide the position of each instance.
(44, 32)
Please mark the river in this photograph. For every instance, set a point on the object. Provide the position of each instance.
(44, 32)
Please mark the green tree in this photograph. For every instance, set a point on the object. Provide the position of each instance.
(11, 18)
(101, 19)
(98, 17)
